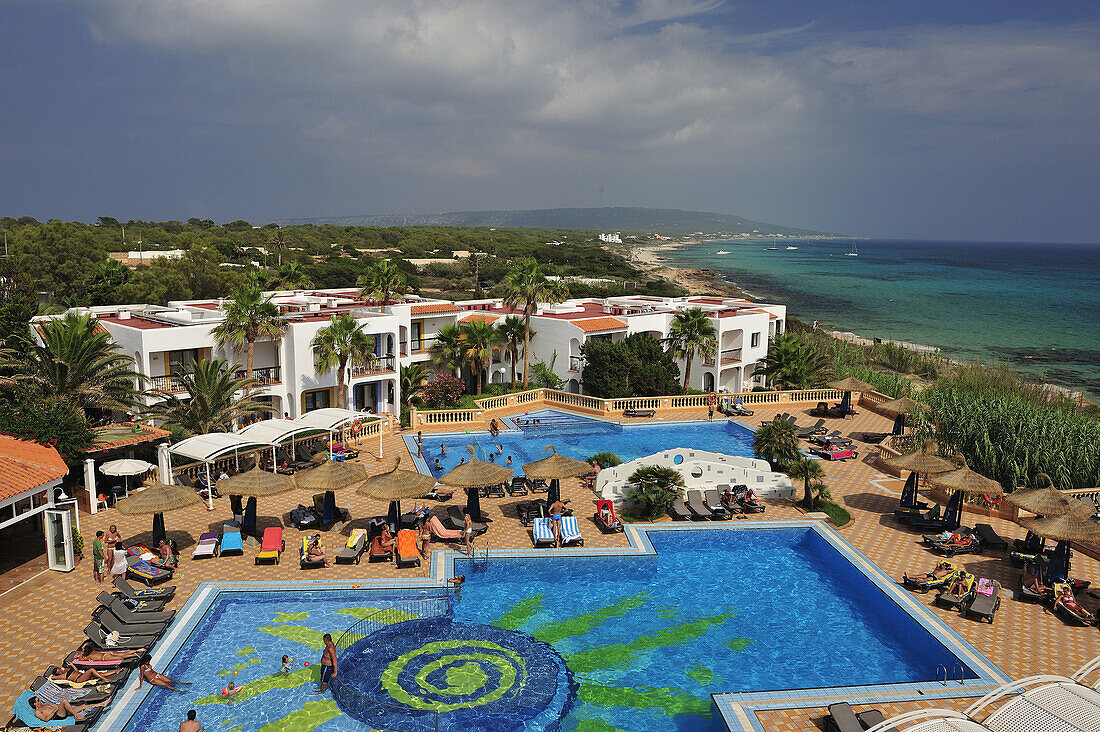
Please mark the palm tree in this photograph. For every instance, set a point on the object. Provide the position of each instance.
(78, 363)
(338, 344)
(448, 349)
(527, 286)
(655, 488)
(776, 442)
(382, 280)
(278, 243)
(691, 331)
(413, 379)
(212, 404)
(480, 340)
(809, 471)
(512, 332)
(293, 277)
(249, 317)
(794, 363)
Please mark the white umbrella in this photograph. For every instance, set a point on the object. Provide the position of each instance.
(126, 467)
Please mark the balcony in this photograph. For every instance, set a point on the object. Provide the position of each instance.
(729, 357)
(166, 384)
(380, 365)
(266, 376)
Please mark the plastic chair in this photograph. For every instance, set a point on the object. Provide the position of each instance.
(102, 498)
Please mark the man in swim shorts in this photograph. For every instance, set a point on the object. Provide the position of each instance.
(191, 724)
(328, 663)
(557, 508)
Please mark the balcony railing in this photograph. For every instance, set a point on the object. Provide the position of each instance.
(728, 357)
(380, 365)
(166, 384)
(266, 376)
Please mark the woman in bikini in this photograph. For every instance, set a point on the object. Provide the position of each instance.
(79, 676)
(316, 552)
(157, 679)
(118, 656)
(425, 539)
(468, 535)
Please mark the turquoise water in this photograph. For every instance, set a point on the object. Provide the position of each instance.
(646, 639)
(579, 438)
(1033, 305)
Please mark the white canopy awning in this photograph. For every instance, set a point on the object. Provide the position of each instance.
(331, 418)
(276, 431)
(214, 445)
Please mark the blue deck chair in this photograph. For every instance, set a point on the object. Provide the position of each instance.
(232, 540)
(570, 532)
(542, 532)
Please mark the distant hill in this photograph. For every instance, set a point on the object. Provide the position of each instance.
(666, 221)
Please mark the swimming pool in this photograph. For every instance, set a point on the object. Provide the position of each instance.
(579, 437)
(647, 638)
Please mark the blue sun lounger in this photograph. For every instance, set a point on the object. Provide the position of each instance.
(570, 533)
(542, 532)
(232, 541)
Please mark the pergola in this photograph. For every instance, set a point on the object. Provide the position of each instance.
(333, 418)
(278, 431)
(209, 447)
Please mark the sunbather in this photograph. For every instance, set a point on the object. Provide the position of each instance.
(167, 558)
(316, 552)
(1033, 579)
(79, 675)
(960, 584)
(383, 542)
(158, 679)
(107, 655)
(1066, 599)
(942, 570)
(49, 712)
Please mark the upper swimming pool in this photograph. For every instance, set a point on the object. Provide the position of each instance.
(579, 437)
(645, 638)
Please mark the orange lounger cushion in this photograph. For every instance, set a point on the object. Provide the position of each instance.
(406, 543)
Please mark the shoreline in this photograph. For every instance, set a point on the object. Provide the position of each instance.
(709, 282)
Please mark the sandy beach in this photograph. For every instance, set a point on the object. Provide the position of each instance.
(695, 281)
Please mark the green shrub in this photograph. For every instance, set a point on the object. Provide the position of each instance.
(605, 459)
(655, 488)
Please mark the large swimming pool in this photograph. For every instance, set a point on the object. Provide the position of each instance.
(579, 437)
(646, 638)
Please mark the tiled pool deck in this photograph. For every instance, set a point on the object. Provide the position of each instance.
(42, 619)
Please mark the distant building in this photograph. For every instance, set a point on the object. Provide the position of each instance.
(611, 238)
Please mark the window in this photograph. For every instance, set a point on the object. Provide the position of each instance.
(415, 330)
(181, 361)
(779, 327)
(755, 340)
(318, 399)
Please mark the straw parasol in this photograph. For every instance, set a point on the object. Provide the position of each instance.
(1047, 501)
(904, 405)
(158, 498)
(1065, 527)
(395, 484)
(556, 466)
(256, 482)
(924, 460)
(476, 473)
(851, 384)
(330, 476)
(966, 480)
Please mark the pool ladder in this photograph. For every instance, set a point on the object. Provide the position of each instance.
(957, 668)
(480, 558)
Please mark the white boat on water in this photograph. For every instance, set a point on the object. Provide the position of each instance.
(721, 251)
(853, 252)
(772, 249)
(791, 249)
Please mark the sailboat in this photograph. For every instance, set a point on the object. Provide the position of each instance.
(853, 252)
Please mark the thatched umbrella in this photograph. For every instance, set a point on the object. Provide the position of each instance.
(966, 480)
(157, 499)
(1064, 527)
(556, 466)
(476, 473)
(904, 405)
(1048, 501)
(256, 482)
(330, 476)
(924, 460)
(851, 384)
(395, 484)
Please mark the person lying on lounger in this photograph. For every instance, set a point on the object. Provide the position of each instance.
(1066, 599)
(1033, 580)
(316, 552)
(80, 675)
(49, 712)
(942, 570)
(108, 655)
(158, 679)
(960, 584)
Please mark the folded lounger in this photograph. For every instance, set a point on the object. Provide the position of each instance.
(542, 533)
(24, 712)
(956, 600)
(518, 486)
(232, 541)
(814, 429)
(130, 592)
(207, 546)
(638, 412)
(931, 515)
(605, 517)
(303, 518)
(328, 513)
(440, 493)
(272, 546)
(111, 623)
(304, 559)
(354, 548)
(570, 532)
(714, 503)
(842, 718)
(146, 573)
(407, 553)
(150, 614)
(697, 506)
(142, 606)
(679, 511)
(989, 537)
(98, 636)
(439, 531)
(984, 602)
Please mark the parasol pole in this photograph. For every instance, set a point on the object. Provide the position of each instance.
(209, 489)
(379, 438)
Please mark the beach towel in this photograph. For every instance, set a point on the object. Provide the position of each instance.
(439, 530)
(542, 531)
(353, 540)
(985, 586)
(23, 710)
(51, 693)
(406, 543)
(570, 533)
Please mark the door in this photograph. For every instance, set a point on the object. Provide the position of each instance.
(59, 539)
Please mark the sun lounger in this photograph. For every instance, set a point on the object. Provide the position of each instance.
(53, 692)
(127, 615)
(147, 574)
(303, 518)
(570, 532)
(127, 590)
(846, 454)
(924, 583)
(328, 513)
(953, 600)
(870, 718)
(518, 486)
(1076, 616)
(714, 503)
(354, 548)
(24, 712)
(456, 519)
(232, 541)
(306, 561)
(989, 537)
(140, 606)
(99, 637)
(271, 549)
(679, 510)
(814, 429)
(605, 517)
(407, 553)
(207, 546)
(439, 531)
(440, 493)
(697, 506)
(375, 552)
(110, 622)
(984, 602)
(542, 533)
(638, 412)
(842, 718)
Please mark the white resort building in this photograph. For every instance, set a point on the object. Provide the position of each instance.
(162, 339)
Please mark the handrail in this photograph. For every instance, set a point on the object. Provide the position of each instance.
(1011, 688)
(920, 714)
(1080, 674)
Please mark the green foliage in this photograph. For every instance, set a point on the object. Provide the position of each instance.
(249, 316)
(512, 332)
(340, 344)
(382, 280)
(838, 515)
(216, 398)
(692, 332)
(793, 362)
(604, 459)
(809, 471)
(776, 442)
(448, 351)
(45, 419)
(654, 488)
(543, 376)
(18, 304)
(525, 286)
(636, 366)
(78, 540)
(480, 341)
(414, 378)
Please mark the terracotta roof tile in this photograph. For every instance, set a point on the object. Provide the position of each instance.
(26, 465)
(593, 325)
(479, 316)
(434, 308)
(102, 442)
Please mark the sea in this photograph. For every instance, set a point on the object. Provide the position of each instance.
(1035, 306)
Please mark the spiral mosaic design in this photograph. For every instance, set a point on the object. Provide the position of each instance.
(476, 677)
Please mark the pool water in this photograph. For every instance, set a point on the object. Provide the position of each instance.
(647, 639)
(580, 438)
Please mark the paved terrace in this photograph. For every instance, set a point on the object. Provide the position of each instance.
(43, 618)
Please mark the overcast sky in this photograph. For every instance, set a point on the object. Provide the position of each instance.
(894, 118)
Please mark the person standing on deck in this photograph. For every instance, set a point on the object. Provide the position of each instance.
(99, 558)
